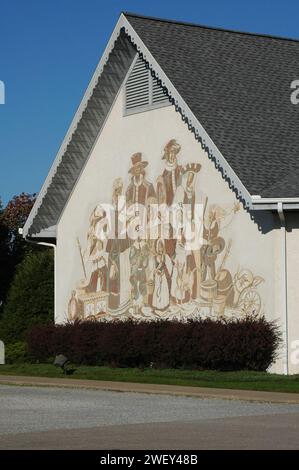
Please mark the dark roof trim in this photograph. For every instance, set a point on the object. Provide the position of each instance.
(213, 28)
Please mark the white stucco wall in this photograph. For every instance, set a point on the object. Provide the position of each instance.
(148, 133)
(292, 248)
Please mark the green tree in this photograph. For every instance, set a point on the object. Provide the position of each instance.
(12, 245)
(30, 298)
(5, 259)
(14, 217)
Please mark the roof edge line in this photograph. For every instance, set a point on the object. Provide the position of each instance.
(274, 200)
(215, 28)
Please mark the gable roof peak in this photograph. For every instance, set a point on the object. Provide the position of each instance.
(212, 28)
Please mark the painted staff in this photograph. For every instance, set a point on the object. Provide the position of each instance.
(81, 257)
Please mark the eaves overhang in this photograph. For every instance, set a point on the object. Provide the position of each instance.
(262, 204)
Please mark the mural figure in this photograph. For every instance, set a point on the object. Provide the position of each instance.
(139, 189)
(167, 184)
(161, 278)
(118, 258)
(185, 198)
(137, 194)
(89, 299)
(184, 275)
(211, 250)
(96, 235)
(216, 284)
(139, 258)
(73, 308)
(145, 276)
(170, 179)
(185, 192)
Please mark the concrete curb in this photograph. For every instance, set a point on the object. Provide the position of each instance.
(177, 390)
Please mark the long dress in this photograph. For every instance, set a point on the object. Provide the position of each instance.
(162, 275)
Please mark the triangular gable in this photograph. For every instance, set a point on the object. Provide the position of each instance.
(90, 118)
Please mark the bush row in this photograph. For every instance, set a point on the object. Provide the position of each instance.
(250, 343)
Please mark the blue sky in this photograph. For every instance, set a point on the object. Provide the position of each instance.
(49, 49)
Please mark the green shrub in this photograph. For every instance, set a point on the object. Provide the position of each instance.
(16, 353)
(30, 299)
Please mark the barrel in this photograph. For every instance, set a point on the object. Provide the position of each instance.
(219, 305)
(208, 290)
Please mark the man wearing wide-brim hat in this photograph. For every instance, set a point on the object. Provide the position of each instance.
(139, 190)
(167, 184)
(137, 164)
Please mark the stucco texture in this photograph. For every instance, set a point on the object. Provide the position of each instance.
(236, 272)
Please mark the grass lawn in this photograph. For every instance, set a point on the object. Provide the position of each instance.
(244, 380)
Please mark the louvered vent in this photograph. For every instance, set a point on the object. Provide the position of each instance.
(158, 93)
(143, 91)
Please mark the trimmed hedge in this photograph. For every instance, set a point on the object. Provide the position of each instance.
(250, 343)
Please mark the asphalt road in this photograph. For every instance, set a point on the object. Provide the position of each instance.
(57, 418)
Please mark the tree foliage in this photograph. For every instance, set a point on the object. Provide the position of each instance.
(30, 298)
(14, 217)
(5, 259)
(12, 245)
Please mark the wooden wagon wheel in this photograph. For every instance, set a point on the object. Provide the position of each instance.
(250, 302)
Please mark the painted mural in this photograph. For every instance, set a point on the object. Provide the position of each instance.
(157, 273)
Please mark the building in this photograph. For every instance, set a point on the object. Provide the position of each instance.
(179, 114)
